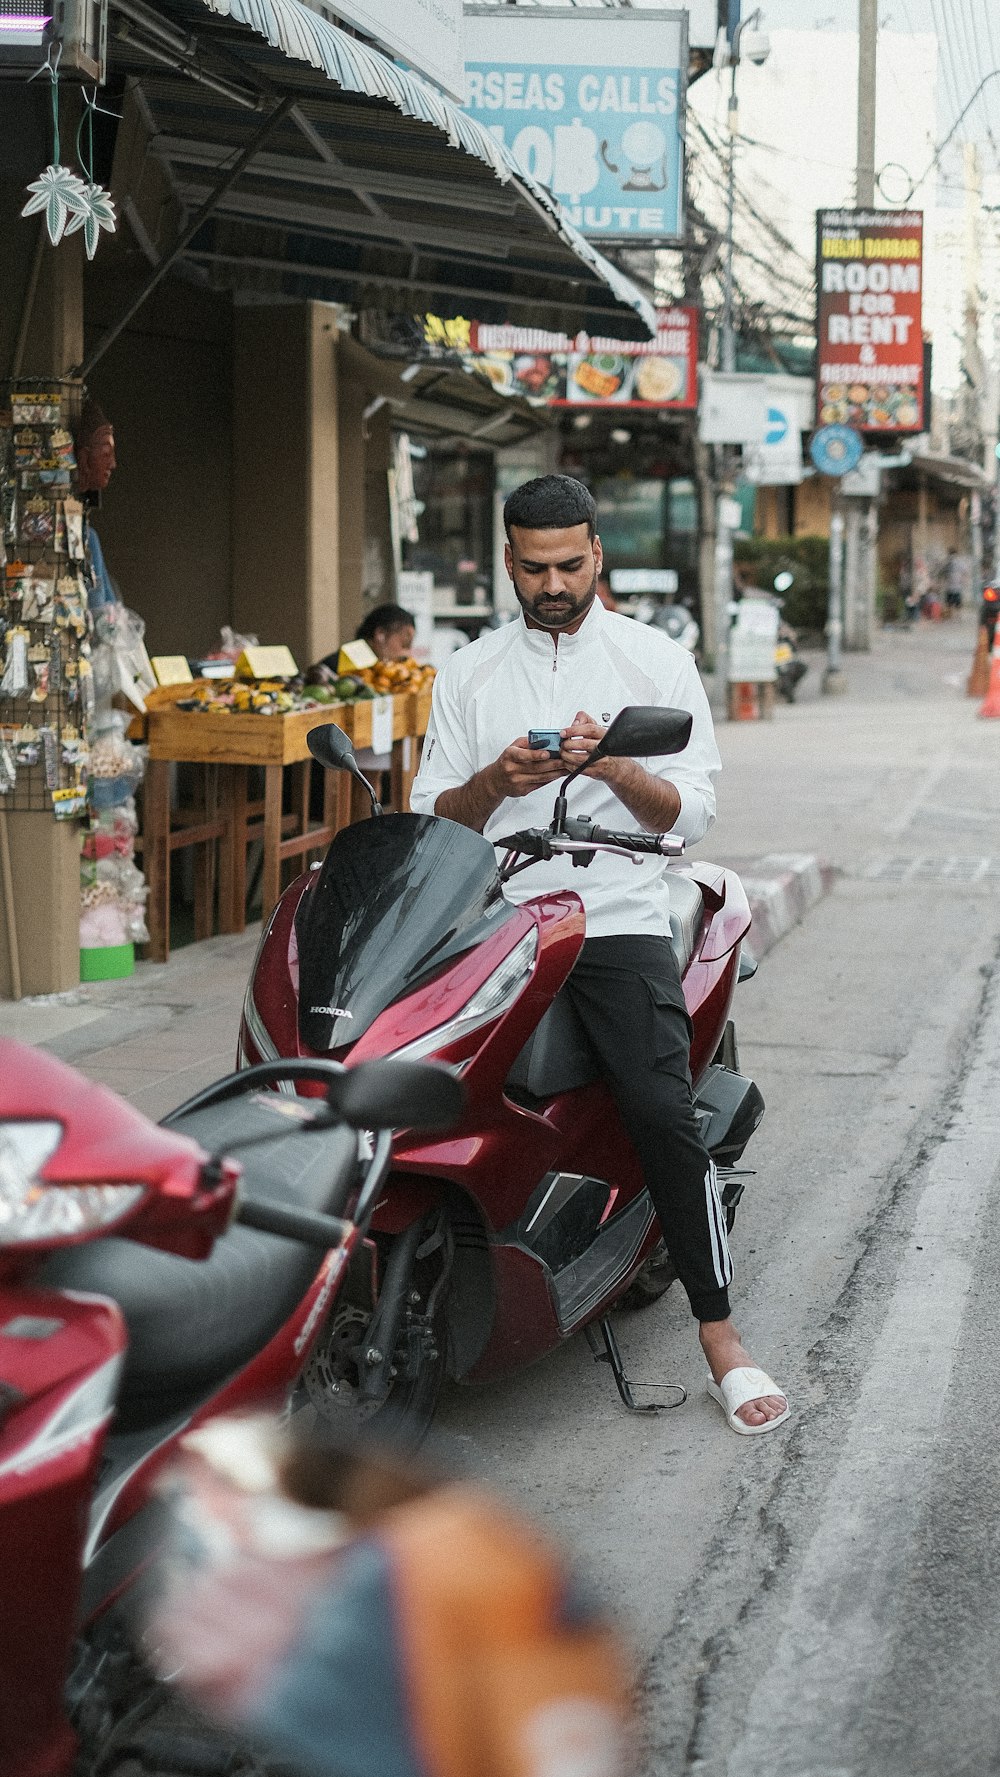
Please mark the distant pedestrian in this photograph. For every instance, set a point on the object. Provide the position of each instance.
(954, 579)
(907, 593)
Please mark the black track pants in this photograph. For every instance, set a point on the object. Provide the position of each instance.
(627, 993)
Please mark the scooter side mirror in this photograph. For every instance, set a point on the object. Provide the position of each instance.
(331, 747)
(643, 731)
(390, 1094)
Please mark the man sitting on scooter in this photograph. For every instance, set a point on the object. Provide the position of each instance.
(568, 653)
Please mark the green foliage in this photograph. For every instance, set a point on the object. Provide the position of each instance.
(808, 558)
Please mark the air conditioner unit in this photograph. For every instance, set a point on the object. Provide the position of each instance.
(77, 29)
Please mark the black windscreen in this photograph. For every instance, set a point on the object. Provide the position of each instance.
(395, 898)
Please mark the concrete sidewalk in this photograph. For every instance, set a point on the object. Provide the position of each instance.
(157, 1037)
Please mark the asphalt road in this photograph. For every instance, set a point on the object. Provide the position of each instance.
(823, 1602)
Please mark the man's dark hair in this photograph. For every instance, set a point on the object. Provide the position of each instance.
(387, 617)
(550, 503)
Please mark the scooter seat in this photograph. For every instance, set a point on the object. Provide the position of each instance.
(687, 910)
(193, 1323)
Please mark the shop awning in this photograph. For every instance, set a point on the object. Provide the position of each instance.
(359, 182)
(951, 471)
(443, 402)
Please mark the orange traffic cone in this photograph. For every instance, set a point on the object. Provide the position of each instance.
(991, 706)
(744, 705)
(979, 677)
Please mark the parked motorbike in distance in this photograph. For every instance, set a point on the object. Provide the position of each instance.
(674, 618)
(149, 1280)
(531, 1220)
(790, 668)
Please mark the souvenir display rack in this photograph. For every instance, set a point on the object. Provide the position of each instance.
(46, 687)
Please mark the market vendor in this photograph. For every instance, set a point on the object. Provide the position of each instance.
(389, 632)
(96, 463)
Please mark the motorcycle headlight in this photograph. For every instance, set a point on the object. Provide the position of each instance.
(32, 1208)
(496, 994)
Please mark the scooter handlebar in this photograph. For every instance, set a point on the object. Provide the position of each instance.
(305, 1225)
(661, 845)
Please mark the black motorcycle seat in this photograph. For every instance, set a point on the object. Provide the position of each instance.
(557, 1056)
(687, 910)
(193, 1323)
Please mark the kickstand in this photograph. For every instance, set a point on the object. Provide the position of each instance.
(601, 1334)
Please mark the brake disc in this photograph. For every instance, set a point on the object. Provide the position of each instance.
(330, 1378)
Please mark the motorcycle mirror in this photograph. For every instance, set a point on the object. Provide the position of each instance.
(391, 1094)
(783, 581)
(641, 731)
(331, 747)
(644, 731)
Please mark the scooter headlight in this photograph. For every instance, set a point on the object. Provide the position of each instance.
(496, 994)
(33, 1209)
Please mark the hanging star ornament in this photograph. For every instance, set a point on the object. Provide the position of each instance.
(59, 193)
(94, 211)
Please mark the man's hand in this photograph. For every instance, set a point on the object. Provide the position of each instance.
(579, 741)
(654, 802)
(521, 768)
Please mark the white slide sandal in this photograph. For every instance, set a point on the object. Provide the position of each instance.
(740, 1386)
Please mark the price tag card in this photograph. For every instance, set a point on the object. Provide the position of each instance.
(382, 724)
(355, 656)
(266, 663)
(171, 669)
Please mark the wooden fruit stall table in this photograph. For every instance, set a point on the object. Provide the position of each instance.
(228, 745)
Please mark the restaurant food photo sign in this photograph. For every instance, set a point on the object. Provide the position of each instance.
(869, 284)
(557, 370)
(593, 109)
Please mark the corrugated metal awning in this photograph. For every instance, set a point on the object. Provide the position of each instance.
(372, 188)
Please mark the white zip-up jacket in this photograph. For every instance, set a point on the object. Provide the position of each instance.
(515, 678)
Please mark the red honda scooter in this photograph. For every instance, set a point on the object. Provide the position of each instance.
(130, 1311)
(530, 1220)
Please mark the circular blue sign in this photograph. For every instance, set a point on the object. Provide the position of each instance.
(836, 450)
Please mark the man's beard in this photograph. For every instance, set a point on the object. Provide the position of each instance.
(560, 614)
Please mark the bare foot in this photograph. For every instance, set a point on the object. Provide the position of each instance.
(722, 1346)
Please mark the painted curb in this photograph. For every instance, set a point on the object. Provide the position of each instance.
(781, 888)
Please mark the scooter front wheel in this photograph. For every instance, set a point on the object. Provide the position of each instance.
(333, 1384)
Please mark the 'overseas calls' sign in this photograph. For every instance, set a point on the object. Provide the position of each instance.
(593, 108)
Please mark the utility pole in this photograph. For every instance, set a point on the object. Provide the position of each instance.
(742, 31)
(972, 357)
(728, 330)
(723, 551)
(867, 50)
(861, 540)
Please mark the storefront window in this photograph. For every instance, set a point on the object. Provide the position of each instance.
(456, 523)
(682, 509)
(630, 519)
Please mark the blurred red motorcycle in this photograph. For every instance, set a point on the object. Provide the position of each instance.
(141, 1292)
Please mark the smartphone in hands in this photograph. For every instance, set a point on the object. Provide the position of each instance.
(545, 740)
